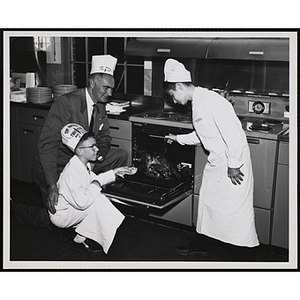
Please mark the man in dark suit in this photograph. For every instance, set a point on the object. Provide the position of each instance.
(85, 107)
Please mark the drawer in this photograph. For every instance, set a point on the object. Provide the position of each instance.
(180, 213)
(283, 154)
(32, 116)
(120, 129)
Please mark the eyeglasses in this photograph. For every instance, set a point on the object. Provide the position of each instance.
(91, 147)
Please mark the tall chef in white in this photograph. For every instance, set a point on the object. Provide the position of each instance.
(225, 210)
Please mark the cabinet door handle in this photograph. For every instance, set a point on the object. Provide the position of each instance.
(253, 141)
(27, 131)
(114, 128)
(256, 52)
(35, 117)
(115, 146)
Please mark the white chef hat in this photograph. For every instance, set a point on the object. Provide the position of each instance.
(176, 72)
(71, 135)
(103, 64)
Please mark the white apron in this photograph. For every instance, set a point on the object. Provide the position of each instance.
(225, 210)
(81, 204)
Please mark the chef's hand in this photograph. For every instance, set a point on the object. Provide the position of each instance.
(171, 138)
(52, 198)
(235, 175)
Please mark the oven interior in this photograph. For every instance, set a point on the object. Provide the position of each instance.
(165, 170)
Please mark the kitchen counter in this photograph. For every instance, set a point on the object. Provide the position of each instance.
(138, 104)
(285, 136)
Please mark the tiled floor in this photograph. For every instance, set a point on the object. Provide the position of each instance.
(136, 240)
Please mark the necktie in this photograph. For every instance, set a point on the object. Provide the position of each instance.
(93, 118)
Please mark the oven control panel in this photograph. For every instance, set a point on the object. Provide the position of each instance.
(259, 107)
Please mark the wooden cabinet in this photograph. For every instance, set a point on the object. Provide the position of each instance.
(280, 230)
(263, 224)
(28, 137)
(26, 126)
(263, 156)
(121, 133)
(14, 145)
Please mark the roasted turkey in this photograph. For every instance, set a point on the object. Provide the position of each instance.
(158, 166)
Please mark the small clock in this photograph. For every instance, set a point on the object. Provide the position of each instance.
(259, 107)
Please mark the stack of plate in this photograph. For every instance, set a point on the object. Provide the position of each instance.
(39, 94)
(61, 89)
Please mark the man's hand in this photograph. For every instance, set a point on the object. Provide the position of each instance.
(171, 138)
(52, 198)
(235, 175)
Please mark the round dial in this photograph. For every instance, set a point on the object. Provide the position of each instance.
(258, 107)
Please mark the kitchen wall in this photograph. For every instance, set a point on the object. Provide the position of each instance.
(22, 60)
(60, 72)
(258, 65)
(258, 76)
(73, 65)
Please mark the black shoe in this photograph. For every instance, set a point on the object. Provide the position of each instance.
(67, 234)
(88, 247)
(190, 249)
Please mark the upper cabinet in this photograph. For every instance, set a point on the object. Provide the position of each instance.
(249, 49)
(269, 49)
(168, 47)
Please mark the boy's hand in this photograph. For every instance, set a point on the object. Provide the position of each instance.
(125, 171)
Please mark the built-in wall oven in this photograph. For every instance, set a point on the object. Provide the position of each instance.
(163, 185)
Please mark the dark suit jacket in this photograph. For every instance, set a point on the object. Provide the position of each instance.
(53, 155)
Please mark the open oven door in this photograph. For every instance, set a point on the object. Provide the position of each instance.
(139, 190)
(135, 202)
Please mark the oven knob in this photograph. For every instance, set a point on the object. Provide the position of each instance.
(287, 108)
(258, 107)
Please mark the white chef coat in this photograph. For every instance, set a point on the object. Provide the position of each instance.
(225, 210)
(81, 204)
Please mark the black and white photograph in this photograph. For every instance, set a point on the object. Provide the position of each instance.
(148, 150)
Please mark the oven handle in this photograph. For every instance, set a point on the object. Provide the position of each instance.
(253, 141)
(157, 136)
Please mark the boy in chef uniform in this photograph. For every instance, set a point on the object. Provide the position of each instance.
(80, 202)
(225, 210)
